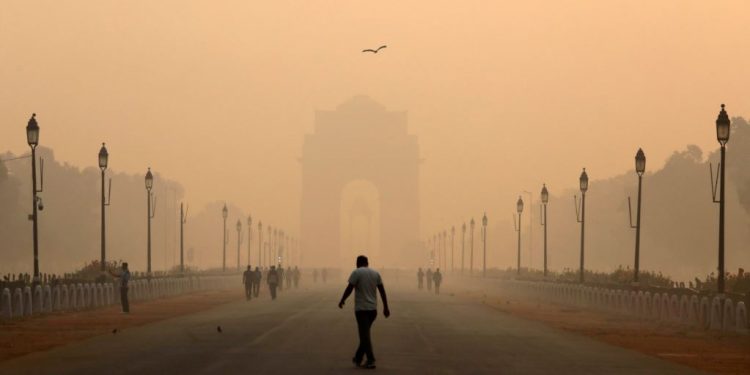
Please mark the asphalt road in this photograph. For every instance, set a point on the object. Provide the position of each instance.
(303, 332)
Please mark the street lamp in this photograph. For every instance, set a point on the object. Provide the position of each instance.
(471, 252)
(519, 210)
(545, 200)
(445, 249)
(640, 168)
(32, 137)
(224, 214)
(453, 243)
(239, 242)
(103, 161)
(583, 183)
(722, 135)
(150, 212)
(183, 220)
(484, 245)
(249, 236)
(260, 243)
(463, 245)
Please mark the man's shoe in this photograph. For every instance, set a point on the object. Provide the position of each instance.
(357, 362)
(369, 365)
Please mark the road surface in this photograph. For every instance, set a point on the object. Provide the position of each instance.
(303, 332)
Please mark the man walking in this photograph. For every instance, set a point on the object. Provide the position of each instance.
(248, 279)
(257, 276)
(420, 278)
(365, 281)
(437, 277)
(273, 281)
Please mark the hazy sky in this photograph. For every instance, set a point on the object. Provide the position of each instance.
(504, 95)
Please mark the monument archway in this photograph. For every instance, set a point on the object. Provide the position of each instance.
(360, 140)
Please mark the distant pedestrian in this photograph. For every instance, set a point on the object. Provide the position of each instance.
(297, 276)
(315, 275)
(273, 281)
(420, 279)
(248, 278)
(364, 281)
(428, 275)
(288, 275)
(324, 275)
(257, 277)
(280, 272)
(437, 278)
(124, 277)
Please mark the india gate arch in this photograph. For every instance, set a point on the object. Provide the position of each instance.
(360, 140)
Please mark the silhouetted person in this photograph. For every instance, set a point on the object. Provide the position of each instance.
(281, 273)
(297, 276)
(288, 275)
(365, 281)
(324, 275)
(420, 279)
(273, 281)
(124, 277)
(428, 275)
(257, 277)
(315, 275)
(248, 278)
(437, 278)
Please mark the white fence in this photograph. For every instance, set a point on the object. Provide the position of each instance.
(691, 310)
(76, 297)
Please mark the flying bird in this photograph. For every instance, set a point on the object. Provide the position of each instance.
(374, 50)
(218, 329)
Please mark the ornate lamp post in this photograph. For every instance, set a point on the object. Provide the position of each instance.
(239, 242)
(471, 252)
(463, 245)
(545, 200)
(519, 210)
(150, 213)
(484, 245)
(640, 168)
(260, 243)
(224, 214)
(723, 125)
(32, 137)
(103, 161)
(583, 183)
(183, 220)
(249, 237)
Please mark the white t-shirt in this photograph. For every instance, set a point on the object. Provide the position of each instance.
(365, 281)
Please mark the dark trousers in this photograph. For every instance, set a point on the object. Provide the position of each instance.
(364, 322)
(256, 289)
(124, 299)
(272, 287)
(248, 291)
(437, 288)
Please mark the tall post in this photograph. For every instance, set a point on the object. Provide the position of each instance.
(545, 199)
(638, 233)
(260, 243)
(182, 239)
(239, 242)
(104, 242)
(249, 237)
(224, 214)
(463, 246)
(453, 246)
(583, 231)
(484, 245)
(723, 131)
(471, 251)
(518, 258)
(34, 214)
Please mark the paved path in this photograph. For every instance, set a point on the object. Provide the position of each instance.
(304, 333)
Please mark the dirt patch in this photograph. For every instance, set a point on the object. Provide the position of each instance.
(703, 350)
(23, 336)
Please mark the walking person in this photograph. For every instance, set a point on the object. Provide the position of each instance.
(297, 276)
(257, 277)
(324, 275)
(124, 277)
(288, 274)
(437, 278)
(280, 272)
(273, 281)
(429, 279)
(248, 279)
(420, 279)
(364, 281)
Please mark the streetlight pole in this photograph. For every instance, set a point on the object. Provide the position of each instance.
(183, 220)
(32, 137)
(531, 228)
(484, 245)
(545, 199)
(722, 135)
(640, 168)
(471, 252)
(260, 243)
(103, 161)
(224, 214)
(519, 210)
(463, 245)
(249, 237)
(150, 213)
(239, 242)
(453, 247)
(583, 182)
